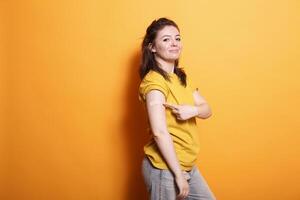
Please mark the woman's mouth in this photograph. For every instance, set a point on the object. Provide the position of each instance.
(174, 51)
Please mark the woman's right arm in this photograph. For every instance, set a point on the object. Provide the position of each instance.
(156, 113)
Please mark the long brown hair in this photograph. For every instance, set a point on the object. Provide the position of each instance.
(148, 60)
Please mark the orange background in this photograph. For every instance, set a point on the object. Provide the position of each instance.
(71, 123)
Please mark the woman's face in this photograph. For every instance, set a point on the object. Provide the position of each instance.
(167, 44)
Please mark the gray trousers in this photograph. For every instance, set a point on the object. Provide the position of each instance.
(161, 185)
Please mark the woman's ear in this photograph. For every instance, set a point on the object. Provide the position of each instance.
(151, 47)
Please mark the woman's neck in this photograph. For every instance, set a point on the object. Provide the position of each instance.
(165, 65)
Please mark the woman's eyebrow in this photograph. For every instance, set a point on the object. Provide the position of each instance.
(169, 36)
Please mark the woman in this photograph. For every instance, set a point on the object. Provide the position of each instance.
(169, 167)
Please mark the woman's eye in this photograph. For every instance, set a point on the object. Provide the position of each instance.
(178, 39)
(166, 39)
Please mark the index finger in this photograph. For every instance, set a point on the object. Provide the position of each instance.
(170, 105)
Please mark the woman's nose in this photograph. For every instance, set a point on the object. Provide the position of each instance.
(174, 42)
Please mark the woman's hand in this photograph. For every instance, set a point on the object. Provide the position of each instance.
(183, 187)
(183, 112)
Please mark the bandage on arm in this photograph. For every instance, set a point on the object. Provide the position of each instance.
(155, 102)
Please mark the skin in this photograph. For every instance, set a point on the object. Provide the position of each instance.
(167, 47)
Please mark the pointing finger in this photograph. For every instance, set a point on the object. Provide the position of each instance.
(172, 106)
(175, 111)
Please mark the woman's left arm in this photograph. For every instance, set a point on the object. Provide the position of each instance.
(200, 108)
(204, 110)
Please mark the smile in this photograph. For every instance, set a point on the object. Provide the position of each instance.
(174, 51)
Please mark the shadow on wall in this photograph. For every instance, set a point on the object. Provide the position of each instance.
(135, 134)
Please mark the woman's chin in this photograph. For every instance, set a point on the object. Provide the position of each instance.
(173, 58)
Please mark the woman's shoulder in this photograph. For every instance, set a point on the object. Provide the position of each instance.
(153, 81)
(153, 76)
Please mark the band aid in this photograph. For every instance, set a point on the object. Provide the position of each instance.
(152, 103)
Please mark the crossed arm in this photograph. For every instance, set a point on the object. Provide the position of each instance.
(200, 109)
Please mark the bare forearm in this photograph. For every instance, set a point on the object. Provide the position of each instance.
(204, 111)
(165, 144)
(202, 106)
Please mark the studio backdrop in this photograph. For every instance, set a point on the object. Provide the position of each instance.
(72, 127)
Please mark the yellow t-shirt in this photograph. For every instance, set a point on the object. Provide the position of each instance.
(184, 133)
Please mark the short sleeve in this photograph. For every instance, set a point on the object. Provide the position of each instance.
(152, 81)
